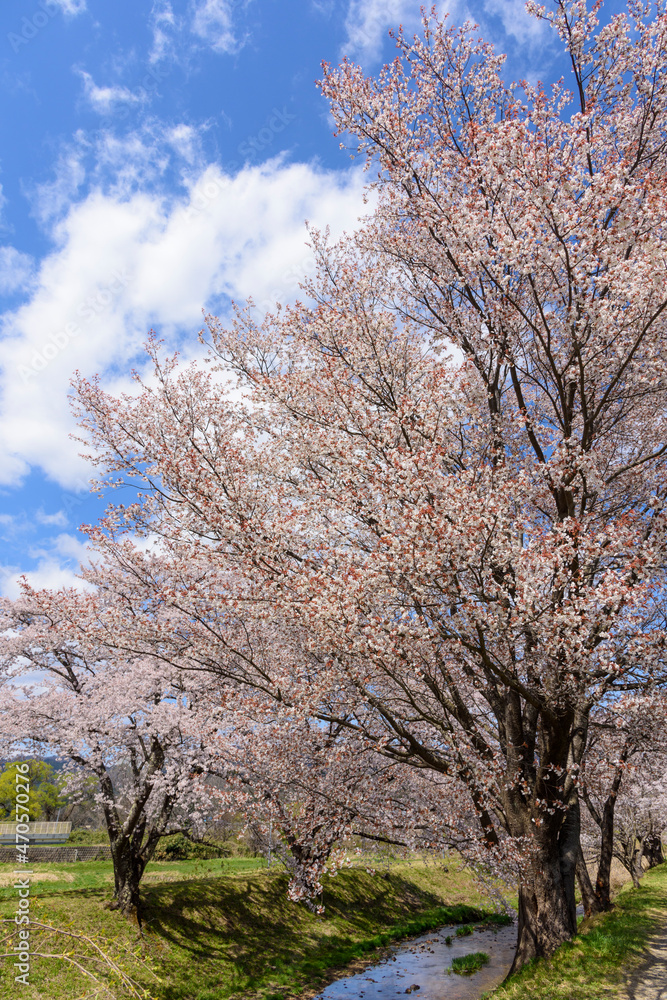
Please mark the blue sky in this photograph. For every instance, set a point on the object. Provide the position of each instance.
(159, 158)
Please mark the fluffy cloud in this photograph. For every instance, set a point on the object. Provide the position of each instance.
(368, 22)
(125, 260)
(57, 565)
(212, 22)
(57, 520)
(16, 270)
(515, 21)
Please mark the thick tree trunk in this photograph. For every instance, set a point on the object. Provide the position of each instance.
(547, 906)
(569, 846)
(547, 910)
(133, 842)
(128, 868)
(545, 914)
(653, 850)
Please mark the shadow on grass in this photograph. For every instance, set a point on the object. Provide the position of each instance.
(607, 949)
(261, 936)
(209, 936)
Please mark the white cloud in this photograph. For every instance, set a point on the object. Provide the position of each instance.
(71, 7)
(368, 22)
(49, 573)
(212, 22)
(164, 25)
(185, 140)
(516, 21)
(105, 99)
(207, 23)
(53, 197)
(16, 270)
(57, 520)
(126, 259)
(121, 164)
(56, 567)
(70, 547)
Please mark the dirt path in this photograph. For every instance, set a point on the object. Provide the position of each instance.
(649, 981)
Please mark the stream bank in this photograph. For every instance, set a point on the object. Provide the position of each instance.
(422, 967)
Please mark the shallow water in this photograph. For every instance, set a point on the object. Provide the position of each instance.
(423, 962)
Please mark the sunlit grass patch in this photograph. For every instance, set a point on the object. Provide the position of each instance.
(223, 932)
(80, 875)
(595, 965)
(465, 965)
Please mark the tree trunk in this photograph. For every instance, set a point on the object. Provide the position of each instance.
(637, 869)
(588, 897)
(547, 917)
(569, 847)
(547, 906)
(133, 842)
(653, 850)
(128, 867)
(606, 823)
(603, 880)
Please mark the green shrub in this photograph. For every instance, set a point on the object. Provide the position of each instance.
(84, 837)
(177, 847)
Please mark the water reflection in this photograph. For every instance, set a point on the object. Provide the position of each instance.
(419, 967)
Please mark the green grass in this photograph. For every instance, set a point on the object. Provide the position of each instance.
(216, 931)
(609, 946)
(99, 874)
(465, 965)
(464, 931)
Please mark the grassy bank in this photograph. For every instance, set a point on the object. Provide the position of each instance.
(216, 930)
(599, 962)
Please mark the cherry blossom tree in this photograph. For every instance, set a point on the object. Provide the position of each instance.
(443, 476)
(304, 786)
(641, 815)
(121, 720)
(316, 790)
(625, 737)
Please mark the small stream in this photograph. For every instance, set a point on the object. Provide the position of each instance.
(419, 967)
